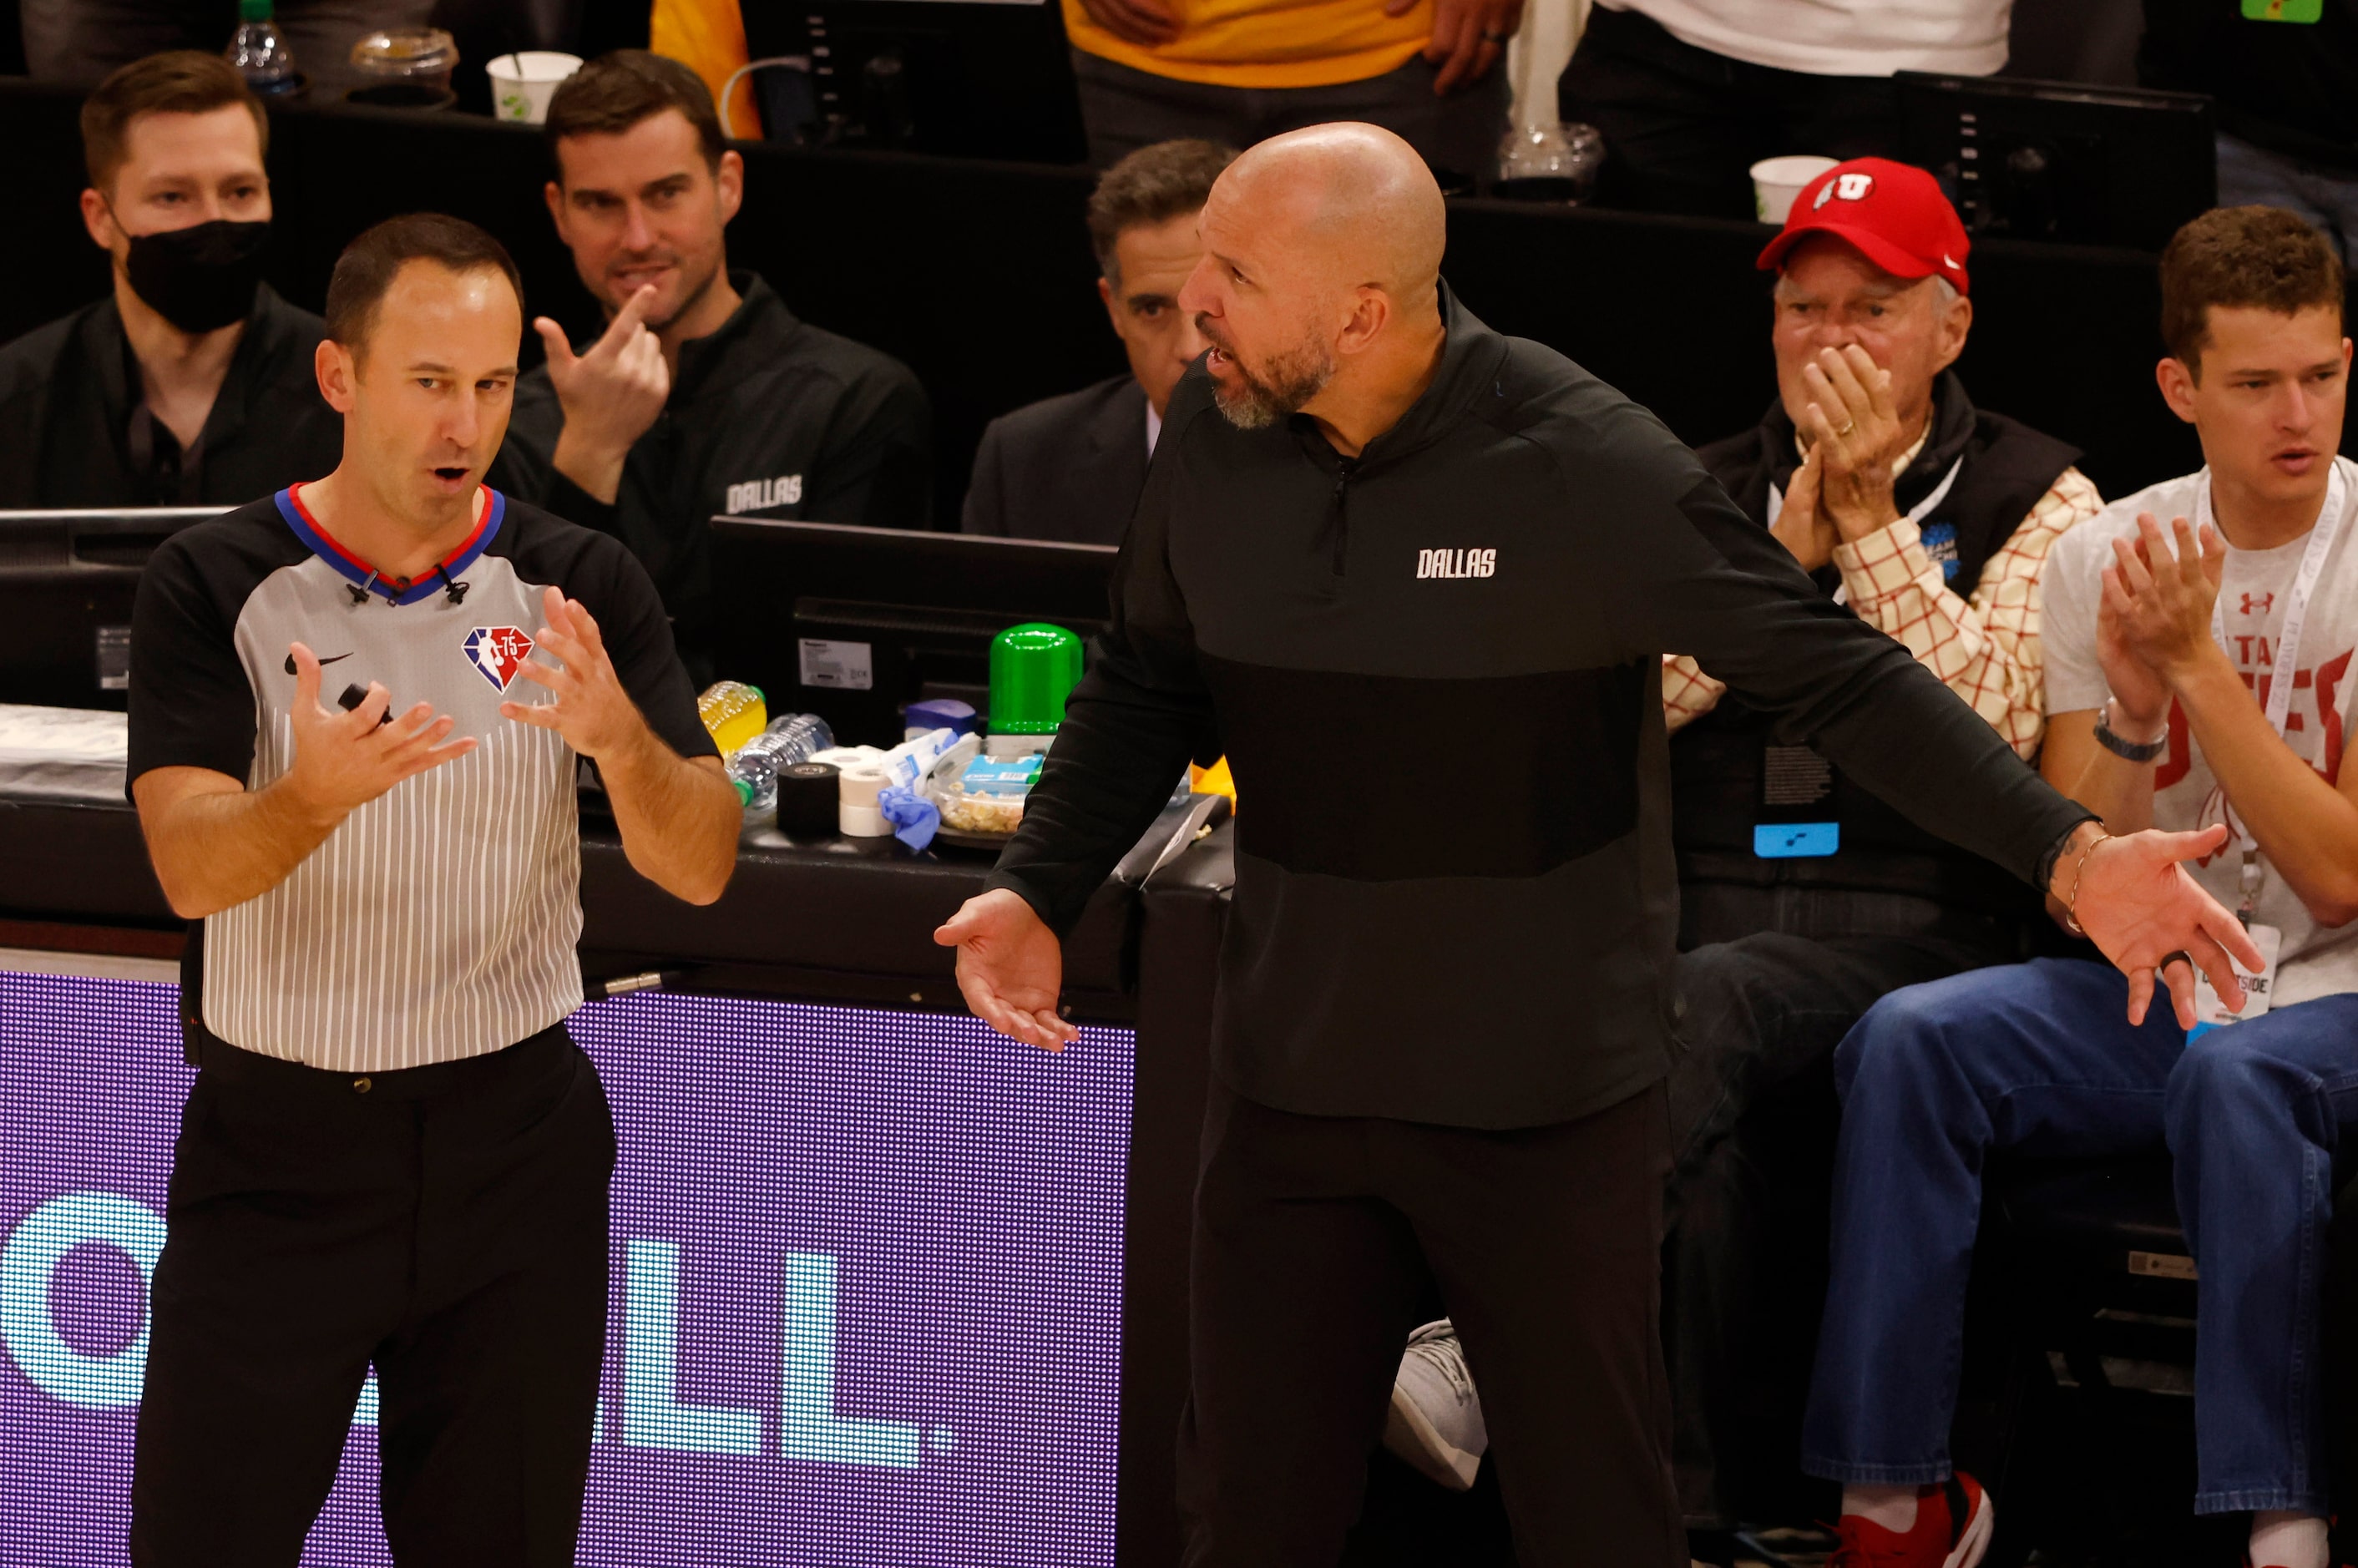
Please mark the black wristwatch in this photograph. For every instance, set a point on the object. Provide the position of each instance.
(2130, 751)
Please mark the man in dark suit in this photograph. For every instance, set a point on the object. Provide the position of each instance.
(1070, 468)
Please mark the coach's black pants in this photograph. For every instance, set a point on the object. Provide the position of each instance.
(1684, 127)
(1772, 980)
(446, 1223)
(1313, 1236)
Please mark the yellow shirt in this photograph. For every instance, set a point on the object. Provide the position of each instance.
(1267, 43)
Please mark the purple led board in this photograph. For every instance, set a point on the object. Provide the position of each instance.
(866, 1297)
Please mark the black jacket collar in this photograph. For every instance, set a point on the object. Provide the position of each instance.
(760, 321)
(1470, 356)
(116, 367)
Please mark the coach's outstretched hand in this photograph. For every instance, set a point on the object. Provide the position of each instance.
(2133, 898)
(1011, 968)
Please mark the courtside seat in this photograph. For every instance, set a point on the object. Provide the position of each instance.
(2087, 1294)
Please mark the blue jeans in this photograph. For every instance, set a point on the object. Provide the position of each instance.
(2039, 1058)
(2327, 198)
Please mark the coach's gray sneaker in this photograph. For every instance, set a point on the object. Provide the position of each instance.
(1436, 1418)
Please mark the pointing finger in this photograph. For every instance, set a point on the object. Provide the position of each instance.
(631, 318)
(553, 339)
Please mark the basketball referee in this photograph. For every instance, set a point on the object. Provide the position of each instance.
(393, 1154)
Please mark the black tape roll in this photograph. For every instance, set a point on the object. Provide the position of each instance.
(806, 797)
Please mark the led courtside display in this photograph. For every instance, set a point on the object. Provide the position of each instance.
(866, 1290)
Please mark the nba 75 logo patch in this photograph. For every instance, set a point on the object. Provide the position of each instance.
(497, 652)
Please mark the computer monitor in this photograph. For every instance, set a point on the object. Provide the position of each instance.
(2058, 161)
(987, 78)
(856, 623)
(67, 581)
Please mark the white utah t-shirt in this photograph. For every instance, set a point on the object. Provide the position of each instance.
(2316, 960)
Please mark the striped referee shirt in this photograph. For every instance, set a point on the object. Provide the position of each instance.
(438, 920)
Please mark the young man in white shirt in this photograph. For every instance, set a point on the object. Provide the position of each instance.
(2199, 639)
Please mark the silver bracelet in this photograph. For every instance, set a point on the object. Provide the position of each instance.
(2129, 751)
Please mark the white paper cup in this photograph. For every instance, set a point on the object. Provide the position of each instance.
(522, 84)
(1777, 181)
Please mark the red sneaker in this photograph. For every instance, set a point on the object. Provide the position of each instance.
(1952, 1531)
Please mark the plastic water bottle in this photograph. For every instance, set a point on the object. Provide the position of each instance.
(258, 50)
(792, 739)
(734, 713)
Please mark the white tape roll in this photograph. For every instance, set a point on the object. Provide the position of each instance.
(856, 815)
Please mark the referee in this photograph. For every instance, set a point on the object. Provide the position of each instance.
(393, 1154)
(1416, 578)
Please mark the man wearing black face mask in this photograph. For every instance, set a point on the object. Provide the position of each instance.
(192, 385)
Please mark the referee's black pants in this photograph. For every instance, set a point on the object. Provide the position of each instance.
(1313, 1236)
(447, 1224)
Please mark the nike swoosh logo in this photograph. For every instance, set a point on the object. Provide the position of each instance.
(331, 659)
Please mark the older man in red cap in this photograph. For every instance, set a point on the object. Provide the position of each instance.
(1803, 899)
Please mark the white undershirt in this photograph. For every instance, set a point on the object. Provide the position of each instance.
(1153, 428)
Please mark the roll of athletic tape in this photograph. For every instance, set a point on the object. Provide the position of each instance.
(856, 815)
(807, 794)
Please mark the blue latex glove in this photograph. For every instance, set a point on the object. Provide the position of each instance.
(914, 819)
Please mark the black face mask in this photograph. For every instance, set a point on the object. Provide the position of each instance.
(199, 278)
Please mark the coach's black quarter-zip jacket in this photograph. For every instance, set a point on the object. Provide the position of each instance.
(1436, 674)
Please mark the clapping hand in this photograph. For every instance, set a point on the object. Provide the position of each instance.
(1851, 422)
(1803, 525)
(2159, 600)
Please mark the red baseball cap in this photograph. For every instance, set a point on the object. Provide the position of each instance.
(1893, 213)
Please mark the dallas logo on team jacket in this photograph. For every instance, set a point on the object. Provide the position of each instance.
(497, 652)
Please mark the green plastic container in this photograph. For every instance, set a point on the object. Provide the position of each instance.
(1034, 668)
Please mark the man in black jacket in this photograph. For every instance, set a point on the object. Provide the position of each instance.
(1070, 468)
(1375, 536)
(705, 395)
(191, 384)
(1803, 898)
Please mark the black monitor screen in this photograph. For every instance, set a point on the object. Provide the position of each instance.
(856, 623)
(67, 581)
(962, 78)
(2055, 160)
